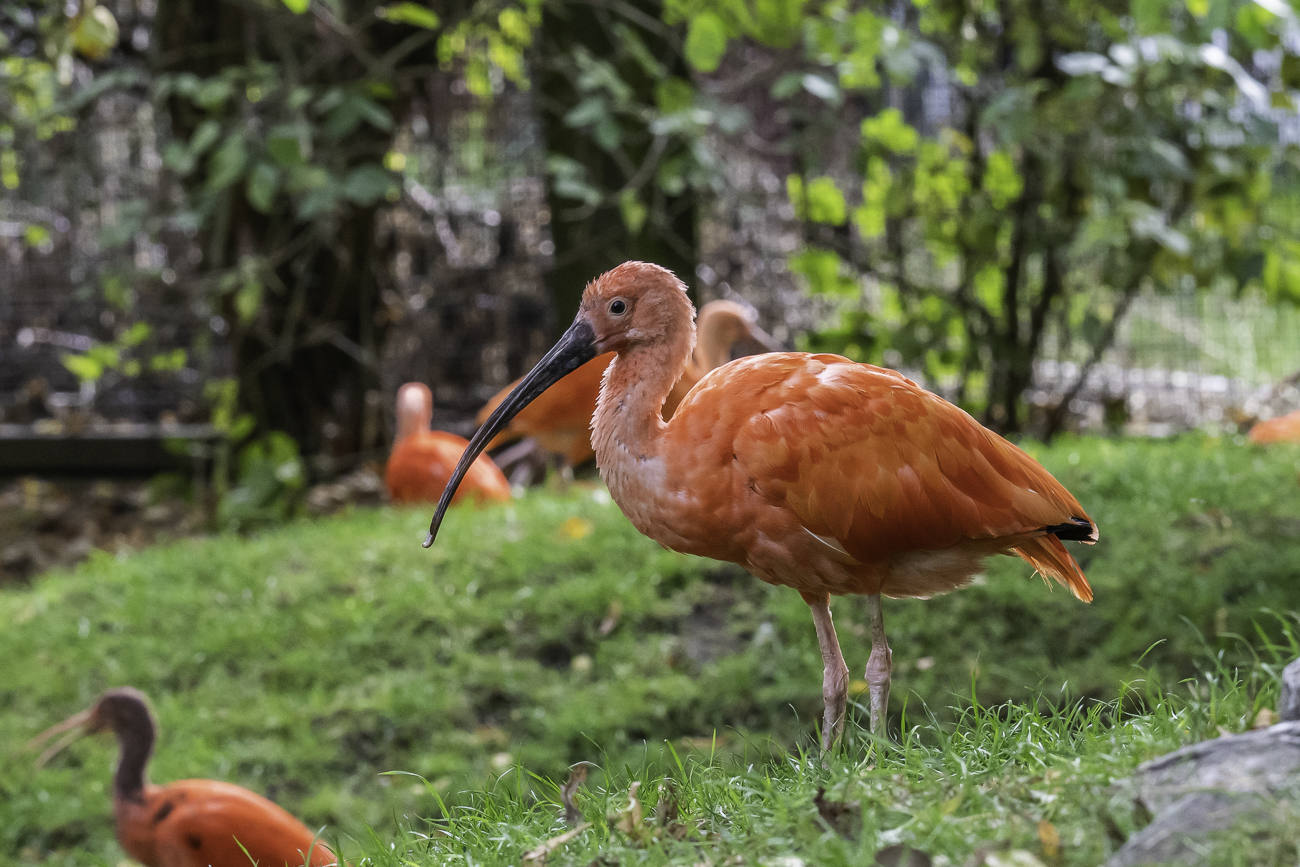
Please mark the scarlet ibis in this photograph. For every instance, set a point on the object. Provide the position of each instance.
(188, 823)
(422, 459)
(1283, 429)
(560, 419)
(810, 471)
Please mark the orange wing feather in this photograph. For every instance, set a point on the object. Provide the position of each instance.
(197, 823)
(421, 464)
(879, 471)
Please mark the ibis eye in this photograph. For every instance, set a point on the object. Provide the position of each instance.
(618, 307)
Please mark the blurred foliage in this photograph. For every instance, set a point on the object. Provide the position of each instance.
(308, 660)
(1092, 150)
(1089, 151)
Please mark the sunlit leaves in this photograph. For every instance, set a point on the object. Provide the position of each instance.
(870, 216)
(297, 7)
(1001, 180)
(825, 271)
(410, 13)
(706, 41)
(818, 201)
(95, 33)
(890, 131)
(482, 43)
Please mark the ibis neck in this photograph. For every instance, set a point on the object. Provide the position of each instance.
(628, 424)
(714, 347)
(135, 745)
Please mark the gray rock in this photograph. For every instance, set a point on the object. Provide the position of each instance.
(1236, 784)
(1288, 703)
(1184, 833)
(1262, 762)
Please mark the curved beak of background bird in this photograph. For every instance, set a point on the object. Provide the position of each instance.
(75, 726)
(576, 348)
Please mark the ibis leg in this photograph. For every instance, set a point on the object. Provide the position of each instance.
(835, 679)
(878, 668)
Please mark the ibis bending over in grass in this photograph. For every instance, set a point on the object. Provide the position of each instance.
(188, 823)
(422, 459)
(560, 419)
(808, 470)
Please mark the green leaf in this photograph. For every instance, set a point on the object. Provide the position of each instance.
(136, 334)
(168, 362)
(83, 367)
(889, 130)
(819, 201)
(1001, 180)
(410, 13)
(227, 163)
(367, 184)
(212, 94)
(989, 282)
(248, 300)
(205, 136)
(706, 42)
(297, 7)
(177, 157)
(514, 26)
(263, 181)
(289, 143)
(870, 217)
(634, 211)
(824, 272)
(95, 34)
(34, 234)
(1291, 71)
(673, 95)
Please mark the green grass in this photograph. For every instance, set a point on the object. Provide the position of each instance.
(307, 661)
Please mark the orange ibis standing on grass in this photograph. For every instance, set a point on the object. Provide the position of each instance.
(810, 471)
(560, 419)
(188, 823)
(422, 459)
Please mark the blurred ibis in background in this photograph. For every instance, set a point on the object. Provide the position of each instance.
(1283, 429)
(188, 823)
(810, 471)
(422, 459)
(559, 420)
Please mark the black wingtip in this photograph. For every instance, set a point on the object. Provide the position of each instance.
(1077, 530)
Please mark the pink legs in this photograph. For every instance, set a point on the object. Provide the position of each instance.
(835, 680)
(835, 677)
(878, 668)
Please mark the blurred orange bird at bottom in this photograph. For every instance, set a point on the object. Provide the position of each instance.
(422, 459)
(188, 823)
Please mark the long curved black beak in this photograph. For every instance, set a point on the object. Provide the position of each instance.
(575, 348)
